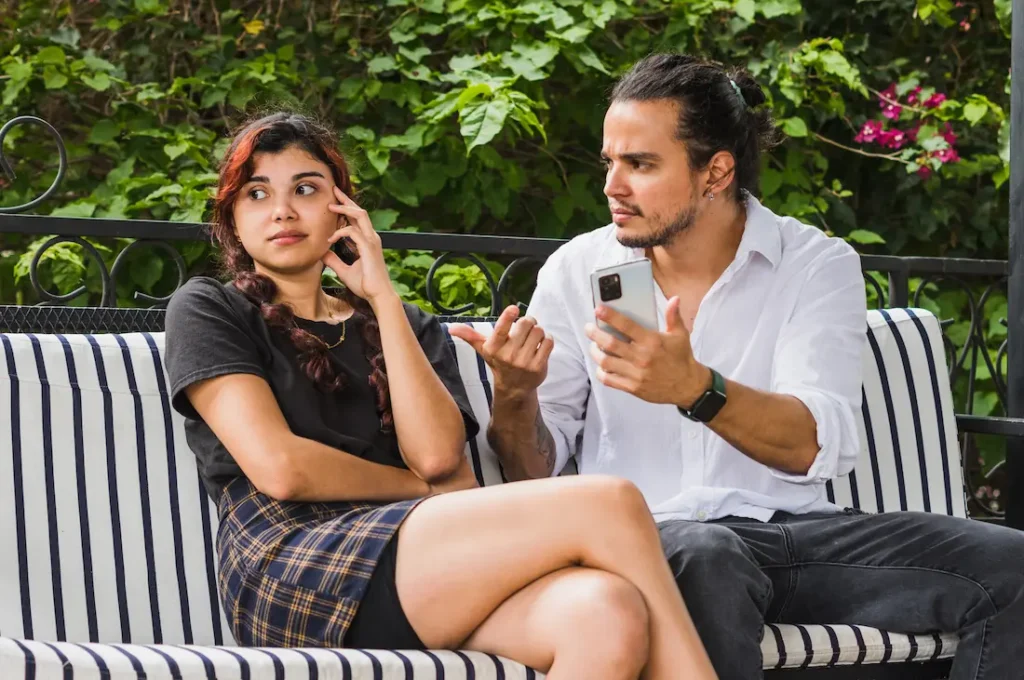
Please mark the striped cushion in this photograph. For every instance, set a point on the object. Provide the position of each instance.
(783, 647)
(110, 535)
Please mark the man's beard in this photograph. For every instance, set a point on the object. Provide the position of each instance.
(663, 235)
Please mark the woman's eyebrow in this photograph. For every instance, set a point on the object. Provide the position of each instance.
(295, 178)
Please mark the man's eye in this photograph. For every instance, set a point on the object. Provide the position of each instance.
(305, 189)
(257, 194)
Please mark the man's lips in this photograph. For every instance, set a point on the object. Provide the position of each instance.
(620, 215)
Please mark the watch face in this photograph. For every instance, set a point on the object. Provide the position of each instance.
(709, 406)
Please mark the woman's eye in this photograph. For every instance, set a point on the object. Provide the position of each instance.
(305, 189)
(257, 194)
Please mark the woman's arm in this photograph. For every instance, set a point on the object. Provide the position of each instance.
(428, 423)
(244, 415)
(431, 432)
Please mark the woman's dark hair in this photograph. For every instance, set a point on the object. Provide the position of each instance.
(714, 115)
(273, 134)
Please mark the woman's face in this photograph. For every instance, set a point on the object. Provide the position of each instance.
(281, 214)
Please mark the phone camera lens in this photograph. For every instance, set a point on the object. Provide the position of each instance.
(610, 287)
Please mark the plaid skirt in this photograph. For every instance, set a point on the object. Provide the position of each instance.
(292, 574)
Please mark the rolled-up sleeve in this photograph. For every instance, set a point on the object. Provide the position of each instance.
(819, 360)
(563, 394)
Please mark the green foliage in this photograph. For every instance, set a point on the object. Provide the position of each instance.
(485, 116)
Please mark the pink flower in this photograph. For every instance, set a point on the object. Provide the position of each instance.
(948, 134)
(870, 131)
(947, 155)
(924, 171)
(912, 95)
(893, 139)
(912, 132)
(887, 102)
(965, 24)
(935, 100)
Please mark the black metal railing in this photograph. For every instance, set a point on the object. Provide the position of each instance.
(891, 282)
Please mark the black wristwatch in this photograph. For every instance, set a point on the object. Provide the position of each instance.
(708, 404)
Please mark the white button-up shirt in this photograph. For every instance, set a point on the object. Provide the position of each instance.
(786, 316)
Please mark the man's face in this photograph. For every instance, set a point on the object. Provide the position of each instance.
(652, 191)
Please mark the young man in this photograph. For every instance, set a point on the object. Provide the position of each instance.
(734, 414)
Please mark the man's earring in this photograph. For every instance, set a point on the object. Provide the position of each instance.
(711, 195)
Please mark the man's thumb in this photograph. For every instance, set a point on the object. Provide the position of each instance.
(673, 316)
(469, 335)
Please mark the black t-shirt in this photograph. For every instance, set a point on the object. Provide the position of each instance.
(212, 329)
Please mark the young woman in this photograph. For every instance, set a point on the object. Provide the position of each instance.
(330, 432)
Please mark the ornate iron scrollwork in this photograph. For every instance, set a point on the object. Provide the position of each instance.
(9, 171)
(121, 260)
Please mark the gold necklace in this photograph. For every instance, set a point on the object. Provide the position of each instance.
(340, 340)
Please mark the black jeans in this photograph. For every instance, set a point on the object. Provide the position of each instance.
(902, 572)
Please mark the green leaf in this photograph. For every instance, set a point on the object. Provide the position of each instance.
(864, 236)
(382, 220)
(54, 79)
(745, 9)
(156, 7)
(361, 133)
(104, 131)
(416, 55)
(564, 206)
(50, 55)
(482, 120)
(794, 127)
(66, 35)
(76, 209)
(777, 8)
(465, 62)
(379, 159)
(588, 57)
(381, 64)
(975, 112)
(146, 271)
(434, 6)
(576, 34)
(99, 82)
(771, 181)
(212, 98)
(176, 149)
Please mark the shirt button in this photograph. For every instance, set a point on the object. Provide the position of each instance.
(702, 515)
(693, 434)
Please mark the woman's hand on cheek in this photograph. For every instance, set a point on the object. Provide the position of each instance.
(368, 276)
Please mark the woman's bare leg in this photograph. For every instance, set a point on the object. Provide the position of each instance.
(574, 623)
(461, 555)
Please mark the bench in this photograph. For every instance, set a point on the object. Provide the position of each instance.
(108, 536)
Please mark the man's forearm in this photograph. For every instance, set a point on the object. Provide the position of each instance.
(774, 429)
(518, 435)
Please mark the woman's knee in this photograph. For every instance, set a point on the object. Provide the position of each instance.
(607, 617)
(613, 499)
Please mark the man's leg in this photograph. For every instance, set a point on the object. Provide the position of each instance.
(910, 572)
(725, 591)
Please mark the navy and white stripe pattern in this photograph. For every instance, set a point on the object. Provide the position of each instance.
(910, 457)
(108, 536)
(105, 532)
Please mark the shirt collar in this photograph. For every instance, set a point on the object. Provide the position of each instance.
(761, 234)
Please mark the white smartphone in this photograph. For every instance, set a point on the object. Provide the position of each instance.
(627, 288)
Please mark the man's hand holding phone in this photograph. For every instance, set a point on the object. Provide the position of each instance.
(517, 351)
(657, 367)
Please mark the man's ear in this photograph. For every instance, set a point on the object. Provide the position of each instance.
(721, 171)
